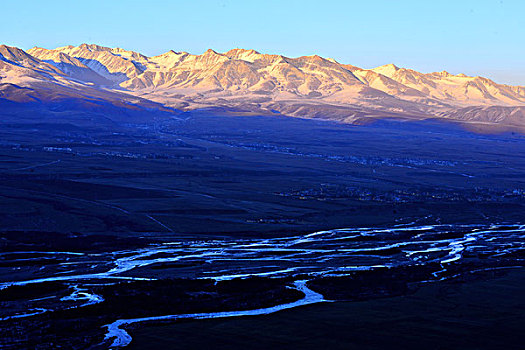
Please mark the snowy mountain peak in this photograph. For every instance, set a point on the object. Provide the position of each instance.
(15, 54)
(93, 47)
(211, 52)
(387, 69)
(243, 54)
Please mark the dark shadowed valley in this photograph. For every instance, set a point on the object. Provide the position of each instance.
(111, 228)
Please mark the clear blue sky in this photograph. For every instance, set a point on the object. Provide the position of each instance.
(482, 37)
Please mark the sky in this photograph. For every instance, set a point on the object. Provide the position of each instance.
(482, 37)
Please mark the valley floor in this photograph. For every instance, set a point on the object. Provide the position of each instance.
(483, 313)
(199, 213)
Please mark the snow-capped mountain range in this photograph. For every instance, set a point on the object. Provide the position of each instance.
(246, 81)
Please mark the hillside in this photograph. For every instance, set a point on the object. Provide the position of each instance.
(248, 82)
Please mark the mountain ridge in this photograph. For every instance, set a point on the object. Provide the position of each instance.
(253, 82)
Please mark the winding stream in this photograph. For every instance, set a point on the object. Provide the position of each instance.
(331, 253)
(122, 338)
